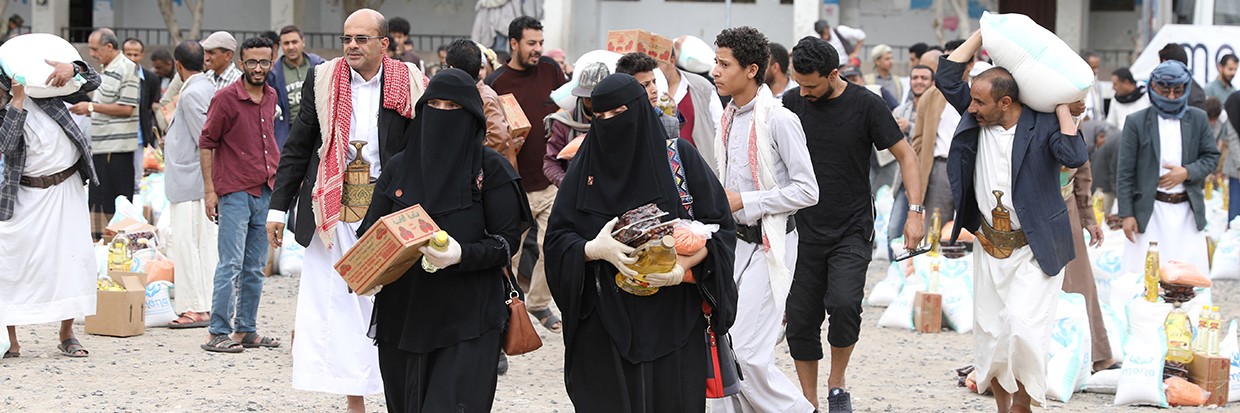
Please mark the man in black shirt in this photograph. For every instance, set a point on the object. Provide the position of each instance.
(843, 123)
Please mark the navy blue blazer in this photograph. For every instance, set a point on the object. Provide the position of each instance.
(1038, 153)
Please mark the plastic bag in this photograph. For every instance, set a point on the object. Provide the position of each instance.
(159, 311)
(1182, 393)
(1117, 331)
(695, 55)
(1038, 59)
(1140, 381)
(1069, 357)
(22, 59)
(291, 255)
(886, 290)
(1103, 382)
(956, 287)
(691, 236)
(1229, 346)
(965, 236)
(1182, 273)
(570, 150)
(1227, 254)
(899, 313)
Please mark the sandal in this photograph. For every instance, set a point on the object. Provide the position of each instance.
(71, 348)
(548, 319)
(253, 340)
(222, 344)
(12, 354)
(190, 320)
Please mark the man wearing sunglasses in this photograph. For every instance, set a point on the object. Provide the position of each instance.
(362, 96)
(1165, 155)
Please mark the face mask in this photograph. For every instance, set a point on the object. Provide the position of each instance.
(1170, 108)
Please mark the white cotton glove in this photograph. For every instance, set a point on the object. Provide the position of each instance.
(667, 279)
(604, 247)
(443, 259)
(372, 291)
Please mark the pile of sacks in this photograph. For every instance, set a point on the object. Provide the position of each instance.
(148, 254)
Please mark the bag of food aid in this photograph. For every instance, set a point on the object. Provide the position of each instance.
(1229, 346)
(886, 290)
(1069, 359)
(1047, 71)
(1141, 378)
(159, 311)
(1227, 254)
(23, 59)
(1103, 382)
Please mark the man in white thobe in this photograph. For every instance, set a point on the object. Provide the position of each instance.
(757, 128)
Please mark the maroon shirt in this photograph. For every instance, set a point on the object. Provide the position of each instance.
(532, 88)
(242, 133)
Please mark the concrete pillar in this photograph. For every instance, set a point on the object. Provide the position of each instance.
(1072, 22)
(804, 14)
(558, 25)
(49, 17)
(286, 12)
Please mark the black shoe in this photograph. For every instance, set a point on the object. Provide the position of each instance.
(503, 364)
(839, 401)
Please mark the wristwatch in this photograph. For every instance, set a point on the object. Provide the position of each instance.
(90, 107)
(917, 208)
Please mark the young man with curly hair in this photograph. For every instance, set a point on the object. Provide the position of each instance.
(765, 168)
(843, 123)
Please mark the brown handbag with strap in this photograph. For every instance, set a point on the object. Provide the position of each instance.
(520, 338)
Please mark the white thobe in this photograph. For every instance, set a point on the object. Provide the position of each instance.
(46, 252)
(332, 353)
(1172, 226)
(759, 313)
(1014, 301)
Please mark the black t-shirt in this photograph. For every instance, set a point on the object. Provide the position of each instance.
(840, 133)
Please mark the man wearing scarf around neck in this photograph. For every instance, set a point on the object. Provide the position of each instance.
(1164, 157)
(1129, 98)
(363, 96)
(768, 176)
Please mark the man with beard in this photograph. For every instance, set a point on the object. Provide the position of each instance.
(921, 79)
(1129, 98)
(844, 123)
(777, 79)
(287, 76)
(1221, 88)
(882, 76)
(362, 96)
(531, 77)
(239, 156)
(1004, 167)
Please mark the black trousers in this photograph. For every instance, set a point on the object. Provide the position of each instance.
(834, 271)
(116, 178)
(459, 379)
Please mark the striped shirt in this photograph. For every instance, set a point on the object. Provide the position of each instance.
(230, 75)
(120, 85)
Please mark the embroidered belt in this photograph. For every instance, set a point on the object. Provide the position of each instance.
(998, 243)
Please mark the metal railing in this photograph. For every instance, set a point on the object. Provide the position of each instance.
(162, 37)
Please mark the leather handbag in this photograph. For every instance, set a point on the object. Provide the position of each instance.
(723, 376)
(520, 338)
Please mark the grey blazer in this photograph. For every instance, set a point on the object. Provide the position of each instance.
(1140, 161)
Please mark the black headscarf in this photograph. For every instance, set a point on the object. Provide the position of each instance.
(624, 157)
(445, 152)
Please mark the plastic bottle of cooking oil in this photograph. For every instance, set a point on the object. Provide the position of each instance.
(1179, 336)
(439, 242)
(1151, 273)
(656, 256)
(1213, 333)
(1203, 326)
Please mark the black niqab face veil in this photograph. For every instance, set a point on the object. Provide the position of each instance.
(443, 158)
(624, 158)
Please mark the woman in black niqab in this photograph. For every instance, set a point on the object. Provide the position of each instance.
(626, 353)
(439, 334)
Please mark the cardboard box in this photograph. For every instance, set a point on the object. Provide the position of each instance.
(653, 45)
(120, 313)
(1211, 373)
(387, 249)
(928, 312)
(518, 124)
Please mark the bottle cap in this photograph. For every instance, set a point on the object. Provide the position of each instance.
(1214, 308)
(668, 241)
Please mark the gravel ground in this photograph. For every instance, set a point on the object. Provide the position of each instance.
(165, 371)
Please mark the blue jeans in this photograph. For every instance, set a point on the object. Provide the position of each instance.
(243, 253)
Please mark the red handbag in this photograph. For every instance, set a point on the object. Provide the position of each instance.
(723, 377)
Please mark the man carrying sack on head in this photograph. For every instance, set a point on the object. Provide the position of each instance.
(1004, 169)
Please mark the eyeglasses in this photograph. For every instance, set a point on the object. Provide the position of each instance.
(251, 63)
(360, 39)
(1169, 91)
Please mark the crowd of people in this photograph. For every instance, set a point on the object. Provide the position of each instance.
(781, 149)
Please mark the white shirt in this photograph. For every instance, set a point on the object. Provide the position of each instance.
(364, 123)
(793, 169)
(1170, 149)
(716, 105)
(948, 121)
(994, 171)
(853, 36)
(1119, 111)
